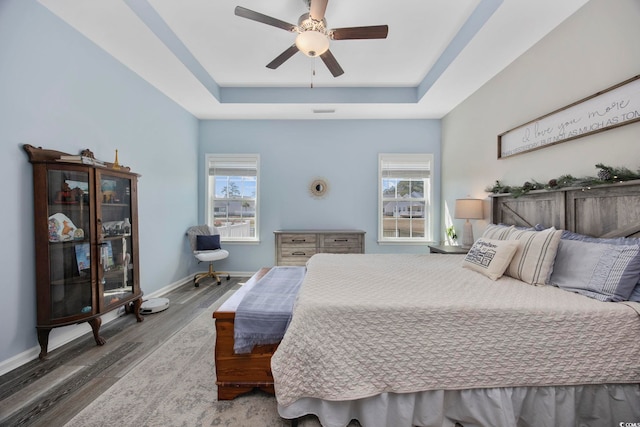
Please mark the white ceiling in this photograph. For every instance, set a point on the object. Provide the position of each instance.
(212, 62)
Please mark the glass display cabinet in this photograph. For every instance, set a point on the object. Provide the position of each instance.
(86, 240)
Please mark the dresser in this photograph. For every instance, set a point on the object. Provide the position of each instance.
(295, 247)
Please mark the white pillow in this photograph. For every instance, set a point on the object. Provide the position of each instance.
(533, 261)
(490, 257)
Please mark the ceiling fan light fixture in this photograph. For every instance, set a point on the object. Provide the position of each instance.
(313, 36)
(312, 43)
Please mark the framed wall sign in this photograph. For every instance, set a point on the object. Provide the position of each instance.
(616, 106)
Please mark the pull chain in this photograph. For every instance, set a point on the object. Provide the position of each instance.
(313, 71)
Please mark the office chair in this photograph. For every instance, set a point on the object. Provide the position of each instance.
(205, 245)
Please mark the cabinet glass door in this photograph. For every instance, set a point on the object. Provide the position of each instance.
(115, 243)
(69, 227)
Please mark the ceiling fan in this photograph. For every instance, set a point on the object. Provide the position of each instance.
(313, 37)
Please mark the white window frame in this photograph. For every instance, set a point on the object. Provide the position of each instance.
(249, 159)
(411, 161)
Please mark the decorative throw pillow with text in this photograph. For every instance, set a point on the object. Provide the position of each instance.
(490, 257)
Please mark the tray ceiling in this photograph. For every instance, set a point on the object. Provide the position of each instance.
(213, 63)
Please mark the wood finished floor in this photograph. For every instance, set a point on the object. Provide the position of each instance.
(51, 392)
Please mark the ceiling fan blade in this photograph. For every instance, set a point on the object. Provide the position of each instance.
(317, 9)
(259, 17)
(283, 57)
(354, 33)
(331, 63)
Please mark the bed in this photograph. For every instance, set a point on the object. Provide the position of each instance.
(364, 345)
(375, 338)
(402, 340)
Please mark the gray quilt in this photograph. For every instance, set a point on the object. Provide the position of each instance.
(367, 324)
(263, 314)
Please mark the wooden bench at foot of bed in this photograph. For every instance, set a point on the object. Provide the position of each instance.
(240, 373)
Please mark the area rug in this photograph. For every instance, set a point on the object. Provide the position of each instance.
(175, 386)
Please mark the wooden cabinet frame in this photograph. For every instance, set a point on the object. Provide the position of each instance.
(55, 260)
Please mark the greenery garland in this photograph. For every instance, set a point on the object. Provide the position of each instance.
(606, 175)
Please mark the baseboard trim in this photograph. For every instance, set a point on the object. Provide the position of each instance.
(64, 335)
(57, 338)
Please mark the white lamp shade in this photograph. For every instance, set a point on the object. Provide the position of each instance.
(469, 209)
(312, 43)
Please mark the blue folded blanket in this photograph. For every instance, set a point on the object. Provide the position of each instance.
(264, 313)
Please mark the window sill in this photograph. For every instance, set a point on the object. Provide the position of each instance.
(240, 242)
(407, 242)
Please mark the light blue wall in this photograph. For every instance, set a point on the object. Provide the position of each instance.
(293, 153)
(59, 91)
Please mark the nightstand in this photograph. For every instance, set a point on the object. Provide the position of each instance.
(446, 249)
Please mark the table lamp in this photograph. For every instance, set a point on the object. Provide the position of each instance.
(468, 209)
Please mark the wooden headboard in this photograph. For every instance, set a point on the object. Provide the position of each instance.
(611, 210)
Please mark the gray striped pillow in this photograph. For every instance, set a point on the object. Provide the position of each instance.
(533, 261)
(497, 231)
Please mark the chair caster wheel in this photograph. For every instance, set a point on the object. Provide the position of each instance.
(218, 282)
(197, 285)
(228, 276)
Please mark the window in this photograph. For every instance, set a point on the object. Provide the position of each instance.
(232, 195)
(404, 208)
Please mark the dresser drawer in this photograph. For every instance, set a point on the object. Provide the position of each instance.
(338, 241)
(288, 251)
(340, 250)
(295, 254)
(293, 262)
(298, 239)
